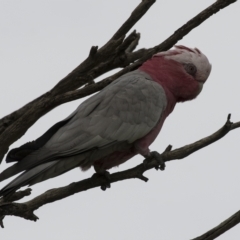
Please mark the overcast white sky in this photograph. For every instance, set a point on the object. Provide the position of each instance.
(42, 41)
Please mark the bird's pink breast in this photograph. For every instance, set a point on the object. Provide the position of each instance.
(140, 146)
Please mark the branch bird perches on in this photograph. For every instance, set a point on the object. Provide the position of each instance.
(26, 209)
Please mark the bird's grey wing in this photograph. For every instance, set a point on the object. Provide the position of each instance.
(125, 111)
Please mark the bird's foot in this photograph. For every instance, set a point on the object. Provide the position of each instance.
(158, 157)
(106, 178)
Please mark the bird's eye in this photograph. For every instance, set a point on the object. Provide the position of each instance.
(190, 69)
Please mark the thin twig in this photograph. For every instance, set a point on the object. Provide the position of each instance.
(16, 196)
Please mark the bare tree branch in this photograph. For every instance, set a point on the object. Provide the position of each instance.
(110, 56)
(17, 196)
(26, 210)
(221, 228)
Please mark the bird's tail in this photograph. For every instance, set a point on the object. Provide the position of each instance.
(41, 173)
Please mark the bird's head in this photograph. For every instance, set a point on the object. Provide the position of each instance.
(181, 70)
(193, 60)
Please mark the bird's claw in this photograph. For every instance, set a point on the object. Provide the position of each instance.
(158, 157)
(103, 175)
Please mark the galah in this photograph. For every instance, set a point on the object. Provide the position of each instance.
(114, 125)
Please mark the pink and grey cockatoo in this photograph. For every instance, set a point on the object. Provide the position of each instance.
(114, 125)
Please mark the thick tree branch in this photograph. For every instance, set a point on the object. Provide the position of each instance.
(221, 228)
(26, 210)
